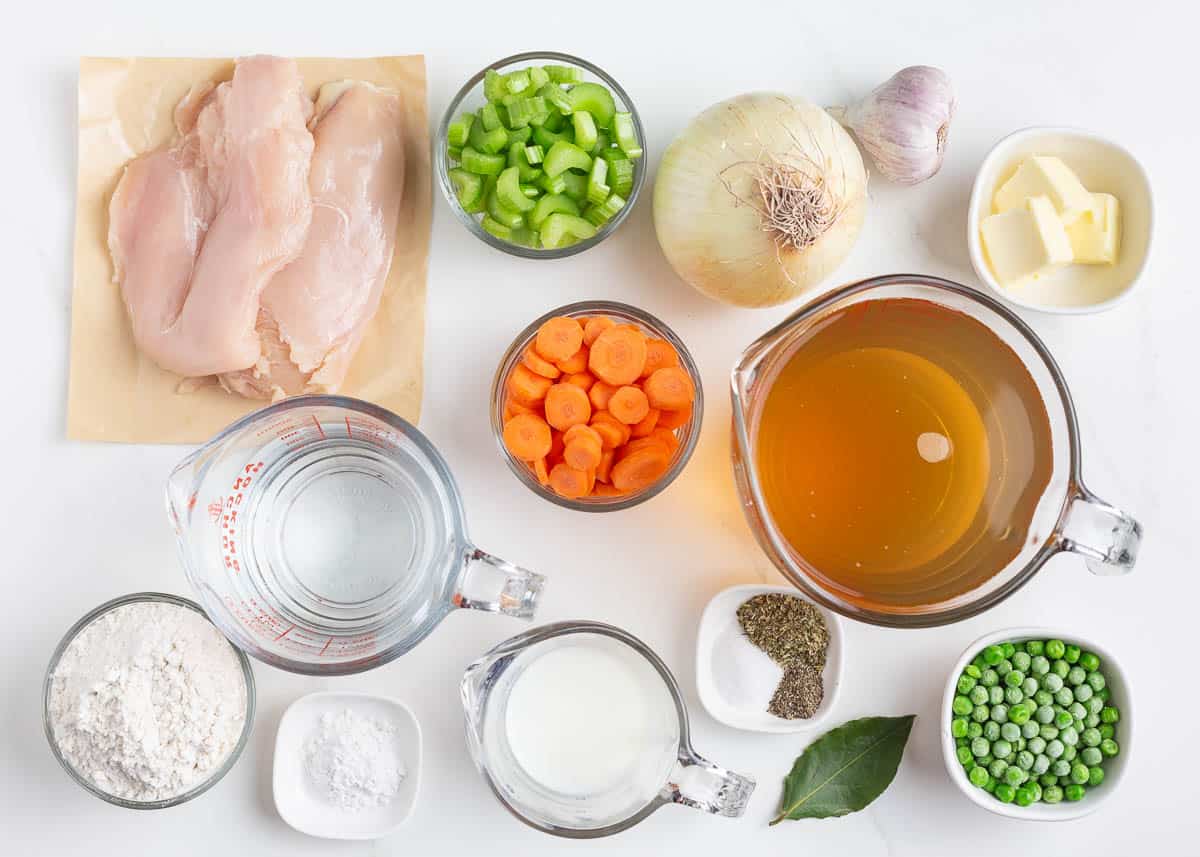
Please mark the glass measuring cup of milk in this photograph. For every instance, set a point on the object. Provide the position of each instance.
(581, 731)
(325, 536)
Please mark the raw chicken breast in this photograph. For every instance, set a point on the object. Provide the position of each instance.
(197, 229)
(314, 311)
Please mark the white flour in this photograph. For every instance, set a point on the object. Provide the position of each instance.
(147, 701)
(354, 761)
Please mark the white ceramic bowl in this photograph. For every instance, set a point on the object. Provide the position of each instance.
(735, 679)
(1114, 768)
(297, 801)
(1104, 167)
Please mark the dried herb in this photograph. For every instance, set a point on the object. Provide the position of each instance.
(845, 769)
(793, 633)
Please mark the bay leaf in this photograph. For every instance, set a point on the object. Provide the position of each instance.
(845, 769)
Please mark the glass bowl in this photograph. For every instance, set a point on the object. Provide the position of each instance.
(199, 788)
(470, 97)
(688, 433)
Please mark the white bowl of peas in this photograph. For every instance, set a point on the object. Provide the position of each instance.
(1051, 738)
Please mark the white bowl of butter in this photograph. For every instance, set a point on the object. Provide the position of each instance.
(1033, 237)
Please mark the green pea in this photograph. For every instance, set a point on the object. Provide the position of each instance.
(1091, 738)
(974, 730)
(1019, 713)
(1044, 714)
(1052, 683)
(958, 727)
(1060, 668)
(1020, 661)
(1054, 748)
(1103, 693)
(964, 755)
(991, 731)
(1013, 695)
(1091, 721)
(1054, 649)
(980, 747)
(995, 695)
(1037, 745)
(1109, 747)
(1108, 714)
(1001, 749)
(1063, 719)
(990, 678)
(1049, 731)
(961, 706)
(1014, 776)
(1077, 710)
(1019, 744)
(1079, 773)
(1069, 752)
(1107, 730)
(973, 671)
(1025, 760)
(978, 661)
(1052, 794)
(1039, 666)
(1089, 661)
(978, 776)
(1095, 705)
(1010, 731)
(1091, 756)
(1000, 713)
(1074, 792)
(1071, 655)
(1029, 730)
(960, 742)
(1005, 793)
(978, 694)
(1034, 786)
(1003, 668)
(1048, 780)
(997, 767)
(1030, 686)
(1034, 647)
(1064, 697)
(1084, 692)
(1061, 768)
(993, 655)
(1076, 676)
(1014, 677)
(1095, 776)
(1096, 681)
(1041, 764)
(986, 761)
(981, 713)
(1009, 649)
(1024, 796)
(991, 785)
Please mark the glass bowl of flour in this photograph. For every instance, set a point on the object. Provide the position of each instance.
(145, 703)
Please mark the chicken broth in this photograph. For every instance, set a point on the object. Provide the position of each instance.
(902, 450)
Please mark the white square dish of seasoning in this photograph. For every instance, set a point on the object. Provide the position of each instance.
(736, 679)
(296, 797)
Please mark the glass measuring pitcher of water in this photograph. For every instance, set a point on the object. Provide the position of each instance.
(325, 535)
(581, 731)
(907, 453)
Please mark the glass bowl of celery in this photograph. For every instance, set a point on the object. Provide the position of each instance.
(541, 155)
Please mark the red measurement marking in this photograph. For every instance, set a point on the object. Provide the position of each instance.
(285, 633)
(318, 425)
(348, 432)
(324, 647)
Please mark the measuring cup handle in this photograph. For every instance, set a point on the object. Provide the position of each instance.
(698, 783)
(489, 583)
(1107, 538)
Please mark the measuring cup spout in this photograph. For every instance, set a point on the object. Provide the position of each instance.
(181, 494)
(489, 583)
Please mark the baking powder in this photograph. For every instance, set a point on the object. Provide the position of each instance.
(354, 762)
(147, 701)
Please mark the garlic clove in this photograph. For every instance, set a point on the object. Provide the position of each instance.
(904, 122)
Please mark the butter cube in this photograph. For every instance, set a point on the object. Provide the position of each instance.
(1025, 243)
(1096, 235)
(1041, 175)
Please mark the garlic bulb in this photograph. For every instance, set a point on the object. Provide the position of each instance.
(904, 122)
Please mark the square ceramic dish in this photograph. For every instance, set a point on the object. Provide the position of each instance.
(1114, 768)
(298, 802)
(1103, 167)
(735, 679)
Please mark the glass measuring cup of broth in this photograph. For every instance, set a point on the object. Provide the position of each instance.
(906, 453)
(326, 536)
(580, 731)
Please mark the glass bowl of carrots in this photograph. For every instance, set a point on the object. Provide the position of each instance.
(514, 237)
(596, 406)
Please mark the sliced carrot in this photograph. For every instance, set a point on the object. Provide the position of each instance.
(650, 442)
(591, 479)
(595, 326)
(540, 471)
(527, 437)
(568, 482)
(527, 387)
(629, 405)
(618, 355)
(669, 389)
(640, 468)
(611, 435)
(512, 407)
(599, 393)
(582, 380)
(577, 362)
(604, 468)
(558, 338)
(674, 419)
(581, 431)
(566, 406)
(659, 355)
(601, 418)
(536, 364)
(668, 437)
(583, 453)
(643, 428)
(557, 445)
(602, 490)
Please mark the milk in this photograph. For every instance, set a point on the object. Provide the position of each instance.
(592, 719)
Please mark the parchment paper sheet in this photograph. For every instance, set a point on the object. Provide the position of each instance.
(116, 394)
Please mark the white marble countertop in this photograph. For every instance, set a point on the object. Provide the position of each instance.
(82, 523)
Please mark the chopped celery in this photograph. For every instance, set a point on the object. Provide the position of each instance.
(520, 135)
(549, 204)
(489, 117)
(598, 215)
(480, 205)
(459, 128)
(522, 111)
(576, 186)
(508, 192)
(516, 158)
(556, 97)
(555, 121)
(559, 230)
(502, 213)
(620, 177)
(585, 130)
(538, 77)
(531, 191)
(553, 184)
(595, 99)
(597, 185)
(516, 81)
(534, 154)
(468, 186)
(496, 228)
(482, 163)
(493, 85)
(612, 153)
(626, 135)
(564, 73)
(603, 144)
(546, 139)
(454, 152)
(489, 142)
(525, 236)
(566, 156)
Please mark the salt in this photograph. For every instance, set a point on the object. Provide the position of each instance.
(354, 762)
